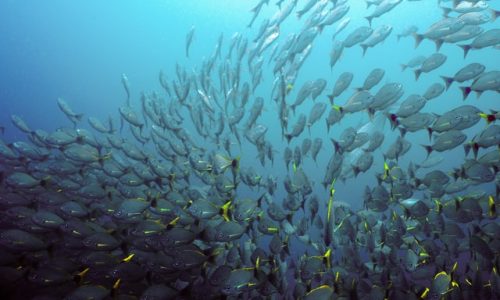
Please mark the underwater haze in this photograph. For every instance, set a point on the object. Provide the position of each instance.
(257, 149)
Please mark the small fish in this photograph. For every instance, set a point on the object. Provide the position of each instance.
(357, 36)
(414, 62)
(127, 89)
(446, 141)
(408, 31)
(378, 36)
(382, 8)
(372, 79)
(484, 82)
(430, 63)
(434, 91)
(20, 180)
(18, 240)
(341, 85)
(66, 109)
(468, 72)
(438, 30)
(489, 38)
(336, 52)
(315, 114)
(189, 39)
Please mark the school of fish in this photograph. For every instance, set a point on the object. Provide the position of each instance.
(160, 201)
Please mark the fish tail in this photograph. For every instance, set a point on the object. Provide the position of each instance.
(492, 211)
(466, 49)
(475, 149)
(393, 118)
(465, 91)
(403, 67)
(430, 131)
(428, 148)
(417, 74)
(439, 43)
(356, 171)
(328, 258)
(446, 11)
(79, 117)
(320, 28)
(418, 39)
(336, 145)
(364, 47)
(338, 108)
(121, 124)
(369, 18)
(407, 213)
(111, 125)
(402, 131)
(494, 15)
(418, 182)
(45, 182)
(115, 287)
(78, 278)
(457, 173)
(488, 117)
(467, 148)
(330, 97)
(371, 113)
(448, 81)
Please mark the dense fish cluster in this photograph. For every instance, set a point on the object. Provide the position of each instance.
(166, 203)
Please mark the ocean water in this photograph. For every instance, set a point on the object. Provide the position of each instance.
(78, 51)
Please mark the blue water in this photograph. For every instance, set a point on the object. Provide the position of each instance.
(78, 50)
